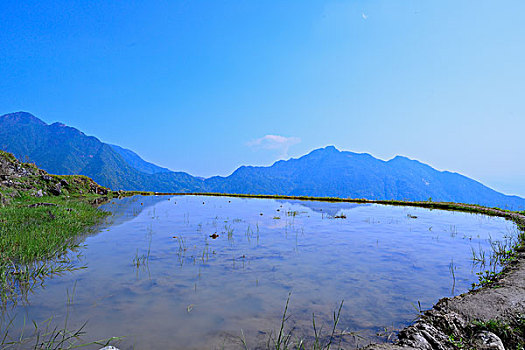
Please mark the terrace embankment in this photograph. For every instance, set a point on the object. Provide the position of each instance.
(492, 317)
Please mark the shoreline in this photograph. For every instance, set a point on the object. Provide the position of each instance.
(491, 317)
(517, 217)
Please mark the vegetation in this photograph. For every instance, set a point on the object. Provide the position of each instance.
(35, 236)
(31, 229)
(42, 219)
(511, 333)
(284, 339)
(501, 254)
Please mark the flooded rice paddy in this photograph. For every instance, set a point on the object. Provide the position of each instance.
(191, 272)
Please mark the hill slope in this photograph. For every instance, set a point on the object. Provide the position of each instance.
(64, 150)
(323, 172)
(138, 163)
(23, 179)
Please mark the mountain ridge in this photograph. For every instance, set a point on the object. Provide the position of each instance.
(323, 172)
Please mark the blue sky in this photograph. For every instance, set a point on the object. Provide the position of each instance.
(206, 86)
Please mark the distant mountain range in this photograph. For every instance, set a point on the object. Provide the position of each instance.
(325, 172)
(60, 149)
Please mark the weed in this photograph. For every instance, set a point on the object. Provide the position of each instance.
(285, 339)
(511, 332)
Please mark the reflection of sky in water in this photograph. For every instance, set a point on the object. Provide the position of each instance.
(199, 292)
(328, 208)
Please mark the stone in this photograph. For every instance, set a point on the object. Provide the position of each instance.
(42, 205)
(101, 190)
(39, 194)
(56, 191)
(64, 182)
(487, 341)
(47, 178)
(109, 348)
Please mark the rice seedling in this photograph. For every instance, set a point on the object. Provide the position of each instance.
(453, 231)
(285, 339)
(452, 269)
(140, 260)
(47, 335)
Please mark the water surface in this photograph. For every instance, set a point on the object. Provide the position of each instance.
(156, 276)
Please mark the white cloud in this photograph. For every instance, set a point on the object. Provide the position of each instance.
(275, 142)
(364, 16)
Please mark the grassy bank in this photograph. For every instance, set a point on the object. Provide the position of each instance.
(35, 236)
(42, 228)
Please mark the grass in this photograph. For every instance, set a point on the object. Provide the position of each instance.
(35, 240)
(500, 255)
(512, 333)
(284, 339)
(45, 336)
(42, 232)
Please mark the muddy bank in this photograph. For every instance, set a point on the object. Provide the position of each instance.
(492, 317)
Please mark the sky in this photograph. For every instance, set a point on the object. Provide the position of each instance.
(207, 86)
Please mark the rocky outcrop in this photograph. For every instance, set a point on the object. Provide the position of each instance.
(17, 178)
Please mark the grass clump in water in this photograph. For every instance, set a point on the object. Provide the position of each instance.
(284, 339)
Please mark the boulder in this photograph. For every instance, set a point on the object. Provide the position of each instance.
(56, 191)
(487, 341)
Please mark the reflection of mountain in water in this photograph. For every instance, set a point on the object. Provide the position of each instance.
(125, 209)
(328, 208)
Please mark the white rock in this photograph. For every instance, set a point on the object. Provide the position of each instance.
(487, 341)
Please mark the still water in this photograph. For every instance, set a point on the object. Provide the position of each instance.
(156, 275)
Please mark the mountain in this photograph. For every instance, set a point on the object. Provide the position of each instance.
(60, 149)
(138, 163)
(325, 172)
(332, 173)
